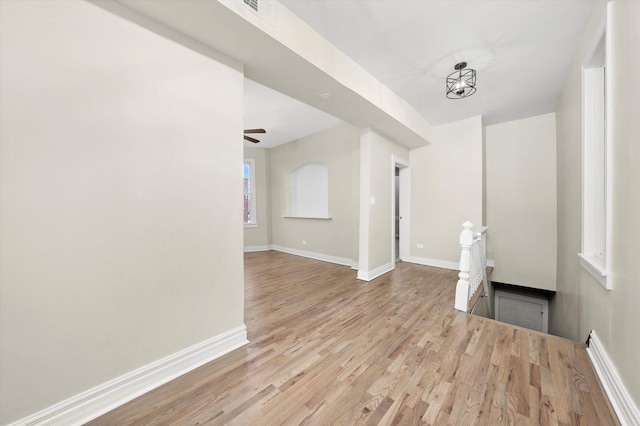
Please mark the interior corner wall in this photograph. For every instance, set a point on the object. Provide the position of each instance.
(484, 176)
(376, 204)
(120, 230)
(338, 149)
(446, 190)
(521, 201)
(259, 236)
(581, 303)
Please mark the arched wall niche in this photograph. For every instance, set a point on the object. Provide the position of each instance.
(310, 191)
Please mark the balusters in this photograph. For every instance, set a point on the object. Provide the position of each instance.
(463, 287)
(473, 265)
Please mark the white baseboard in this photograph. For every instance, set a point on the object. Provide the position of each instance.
(249, 249)
(313, 255)
(354, 265)
(88, 405)
(375, 273)
(446, 264)
(622, 403)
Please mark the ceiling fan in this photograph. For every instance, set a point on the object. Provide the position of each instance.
(250, 131)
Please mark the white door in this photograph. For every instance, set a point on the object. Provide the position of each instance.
(524, 311)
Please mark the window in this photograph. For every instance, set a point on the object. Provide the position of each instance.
(595, 165)
(249, 183)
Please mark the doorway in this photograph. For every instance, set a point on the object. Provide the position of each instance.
(397, 215)
(400, 196)
(522, 310)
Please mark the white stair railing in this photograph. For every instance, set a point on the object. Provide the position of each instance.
(473, 265)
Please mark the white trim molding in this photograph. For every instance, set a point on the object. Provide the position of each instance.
(445, 264)
(249, 249)
(595, 256)
(622, 403)
(252, 193)
(313, 255)
(307, 217)
(375, 273)
(404, 207)
(90, 404)
(590, 264)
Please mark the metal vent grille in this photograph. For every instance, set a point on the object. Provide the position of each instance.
(253, 4)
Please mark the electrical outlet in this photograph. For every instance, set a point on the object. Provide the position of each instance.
(304, 242)
(420, 245)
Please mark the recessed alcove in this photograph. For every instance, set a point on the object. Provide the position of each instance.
(310, 192)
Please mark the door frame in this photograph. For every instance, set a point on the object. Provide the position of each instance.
(404, 210)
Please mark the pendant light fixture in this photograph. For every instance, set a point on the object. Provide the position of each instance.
(462, 82)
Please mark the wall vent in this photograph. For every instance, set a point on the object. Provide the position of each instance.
(253, 4)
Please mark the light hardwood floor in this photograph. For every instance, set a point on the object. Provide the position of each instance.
(329, 349)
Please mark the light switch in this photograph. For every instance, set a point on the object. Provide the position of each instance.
(373, 201)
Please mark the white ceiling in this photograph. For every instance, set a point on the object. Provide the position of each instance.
(278, 50)
(521, 49)
(285, 119)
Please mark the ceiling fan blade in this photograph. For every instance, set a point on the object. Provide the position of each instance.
(250, 139)
(255, 131)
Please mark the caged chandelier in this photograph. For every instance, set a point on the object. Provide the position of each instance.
(461, 83)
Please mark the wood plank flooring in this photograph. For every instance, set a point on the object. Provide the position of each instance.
(329, 349)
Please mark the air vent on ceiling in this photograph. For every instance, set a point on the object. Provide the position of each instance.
(253, 4)
(262, 8)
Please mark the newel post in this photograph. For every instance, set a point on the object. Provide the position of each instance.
(462, 288)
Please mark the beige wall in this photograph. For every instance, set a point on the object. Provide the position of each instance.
(377, 177)
(582, 304)
(446, 189)
(338, 149)
(521, 201)
(260, 236)
(119, 219)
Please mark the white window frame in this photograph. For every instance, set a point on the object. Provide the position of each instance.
(595, 256)
(252, 192)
